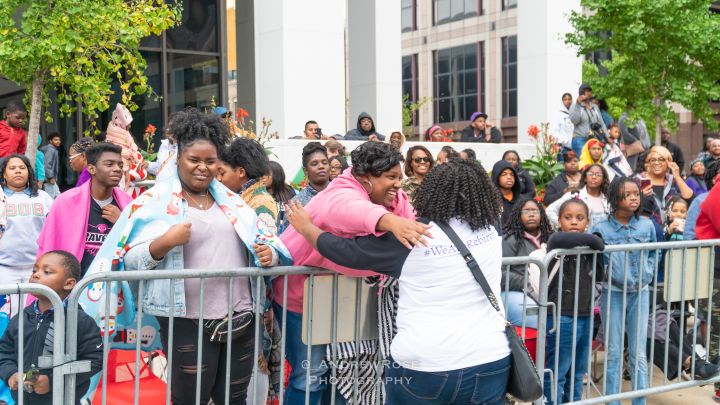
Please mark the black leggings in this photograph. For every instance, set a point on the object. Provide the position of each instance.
(214, 356)
(675, 352)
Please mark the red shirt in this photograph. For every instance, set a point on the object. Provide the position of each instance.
(708, 222)
(12, 140)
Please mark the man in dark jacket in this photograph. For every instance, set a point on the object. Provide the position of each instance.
(480, 131)
(365, 130)
(59, 271)
(675, 150)
(52, 164)
(505, 179)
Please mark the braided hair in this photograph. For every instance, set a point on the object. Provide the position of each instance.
(83, 144)
(459, 189)
(191, 125)
(616, 193)
(515, 227)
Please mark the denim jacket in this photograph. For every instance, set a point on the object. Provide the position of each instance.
(157, 298)
(639, 273)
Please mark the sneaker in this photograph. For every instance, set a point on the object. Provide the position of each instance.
(705, 370)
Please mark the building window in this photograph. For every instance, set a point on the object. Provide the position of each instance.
(410, 81)
(508, 4)
(509, 76)
(445, 11)
(459, 77)
(407, 12)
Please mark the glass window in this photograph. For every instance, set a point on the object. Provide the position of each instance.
(149, 109)
(198, 30)
(446, 11)
(509, 76)
(407, 12)
(458, 82)
(410, 80)
(192, 81)
(153, 41)
(508, 4)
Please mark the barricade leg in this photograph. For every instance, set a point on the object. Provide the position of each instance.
(299, 363)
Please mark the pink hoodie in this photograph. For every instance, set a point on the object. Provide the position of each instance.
(344, 209)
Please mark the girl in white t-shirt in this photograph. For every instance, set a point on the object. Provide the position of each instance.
(592, 191)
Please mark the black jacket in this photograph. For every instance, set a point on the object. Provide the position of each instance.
(527, 186)
(514, 278)
(468, 135)
(569, 240)
(507, 206)
(556, 188)
(39, 332)
(358, 134)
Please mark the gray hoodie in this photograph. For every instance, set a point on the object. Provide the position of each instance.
(581, 117)
(51, 161)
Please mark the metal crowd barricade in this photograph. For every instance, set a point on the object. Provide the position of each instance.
(58, 363)
(339, 300)
(682, 281)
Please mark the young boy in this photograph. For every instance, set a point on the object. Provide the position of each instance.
(59, 271)
(12, 137)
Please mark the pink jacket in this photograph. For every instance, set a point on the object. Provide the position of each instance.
(344, 209)
(66, 225)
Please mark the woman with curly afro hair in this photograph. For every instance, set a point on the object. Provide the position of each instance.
(189, 220)
(446, 326)
(365, 200)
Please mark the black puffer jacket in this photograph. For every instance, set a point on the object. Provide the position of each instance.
(358, 134)
(39, 332)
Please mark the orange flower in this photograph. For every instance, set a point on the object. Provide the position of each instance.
(150, 129)
(450, 131)
(242, 113)
(533, 131)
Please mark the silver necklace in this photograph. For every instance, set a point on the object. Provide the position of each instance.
(201, 206)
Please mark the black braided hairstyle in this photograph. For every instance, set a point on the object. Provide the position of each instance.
(616, 193)
(514, 226)
(459, 189)
(191, 125)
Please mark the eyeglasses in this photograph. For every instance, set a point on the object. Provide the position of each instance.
(590, 174)
(530, 212)
(656, 160)
(419, 160)
(71, 157)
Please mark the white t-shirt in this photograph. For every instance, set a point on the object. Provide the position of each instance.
(444, 319)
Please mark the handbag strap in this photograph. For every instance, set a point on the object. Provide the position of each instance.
(471, 263)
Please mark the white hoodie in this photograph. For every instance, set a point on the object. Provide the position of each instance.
(561, 127)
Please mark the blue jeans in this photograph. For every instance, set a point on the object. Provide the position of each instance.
(564, 374)
(635, 314)
(483, 384)
(577, 144)
(296, 354)
(513, 301)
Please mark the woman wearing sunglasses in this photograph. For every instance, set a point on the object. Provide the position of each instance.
(418, 163)
(77, 159)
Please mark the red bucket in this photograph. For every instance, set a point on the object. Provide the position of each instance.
(530, 339)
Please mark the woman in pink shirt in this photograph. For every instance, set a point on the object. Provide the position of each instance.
(365, 200)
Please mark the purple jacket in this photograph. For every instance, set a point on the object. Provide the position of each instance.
(83, 178)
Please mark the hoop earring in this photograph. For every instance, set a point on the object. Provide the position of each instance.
(371, 188)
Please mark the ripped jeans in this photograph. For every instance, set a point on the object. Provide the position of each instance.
(214, 356)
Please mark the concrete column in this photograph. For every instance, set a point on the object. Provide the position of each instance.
(547, 67)
(374, 57)
(299, 64)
